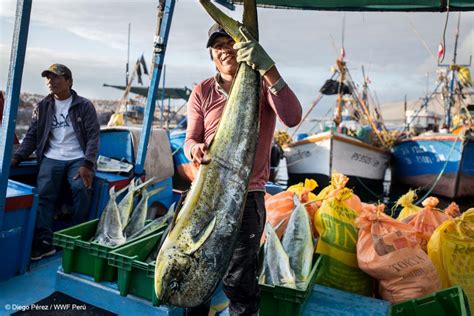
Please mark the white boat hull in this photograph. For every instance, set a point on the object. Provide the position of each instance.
(321, 155)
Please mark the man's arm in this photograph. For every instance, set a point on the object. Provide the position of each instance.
(92, 126)
(29, 142)
(195, 127)
(280, 97)
(285, 104)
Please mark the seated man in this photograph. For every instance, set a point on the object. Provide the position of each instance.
(64, 131)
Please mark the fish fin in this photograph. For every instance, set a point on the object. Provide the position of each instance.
(151, 193)
(296, 200)
(230, 25)
(277, 226)
(163, 238)
(139, 186)
(178, 207)
(201, 237)
(250, 18)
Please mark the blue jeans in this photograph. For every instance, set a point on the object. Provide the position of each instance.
(50, 178)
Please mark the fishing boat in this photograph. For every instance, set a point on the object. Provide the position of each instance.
(441, 159)
(347, 147)
(318, 156)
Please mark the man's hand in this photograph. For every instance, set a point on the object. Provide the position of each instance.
(198, 152)
(252, 53)
(14, 163)
(86, 174)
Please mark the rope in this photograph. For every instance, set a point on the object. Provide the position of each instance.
(440, 173)
(371, 121)
(313, 104)
(177, 149)
(378, 197)
(444, 34)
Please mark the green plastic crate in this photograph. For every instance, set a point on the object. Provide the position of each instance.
(82, 256)
(135, 276)
(449, 302)
(282, 301)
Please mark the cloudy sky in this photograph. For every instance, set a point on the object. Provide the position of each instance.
(91, 37)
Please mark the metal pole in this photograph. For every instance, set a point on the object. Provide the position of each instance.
(166, 8)
(128, 54)
(453, 73)
(15, 72)
(163, 97)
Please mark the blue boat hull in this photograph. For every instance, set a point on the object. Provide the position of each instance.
(420, 161)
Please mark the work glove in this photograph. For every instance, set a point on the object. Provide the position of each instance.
(252, 53)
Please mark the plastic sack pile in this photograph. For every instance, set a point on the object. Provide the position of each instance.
(365, 251)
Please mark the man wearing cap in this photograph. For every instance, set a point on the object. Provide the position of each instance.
(64, 131)
(205, 107)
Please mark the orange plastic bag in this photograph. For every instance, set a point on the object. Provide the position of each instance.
(279, 208)
(388, 251)
(426, 221)
(452, 210)
(311, 209)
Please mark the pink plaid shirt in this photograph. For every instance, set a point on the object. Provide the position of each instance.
(205, 107)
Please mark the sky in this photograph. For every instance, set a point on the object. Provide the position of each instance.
(397, 50)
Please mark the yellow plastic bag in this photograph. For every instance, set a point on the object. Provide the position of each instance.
(451, 248)
(335, 224)
(406, 201)
(117, 119)
(300, 188)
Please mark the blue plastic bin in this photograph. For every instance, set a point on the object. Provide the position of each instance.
(103, 181)
(328, 301)
(17, 224)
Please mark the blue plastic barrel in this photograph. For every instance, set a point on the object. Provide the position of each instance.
(301, 136)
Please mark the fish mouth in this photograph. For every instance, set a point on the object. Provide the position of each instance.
(160, 292)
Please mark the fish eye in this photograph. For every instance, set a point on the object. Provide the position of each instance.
(173, 285)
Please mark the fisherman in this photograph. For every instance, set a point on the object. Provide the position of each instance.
(205, 107)
(64, 131)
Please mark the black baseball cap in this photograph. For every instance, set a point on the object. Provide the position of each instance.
(214, 32)
(57, 69)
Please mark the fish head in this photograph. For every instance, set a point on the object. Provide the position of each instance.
(170, 271)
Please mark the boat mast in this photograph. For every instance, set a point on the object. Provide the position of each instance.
(128, 55)
(341, 66)
(453, 69)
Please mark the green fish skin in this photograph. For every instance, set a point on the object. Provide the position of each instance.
(126, 204)
(298, 243)
(137, 221)
(109, 232)
(196, 253)
(276, 266)
(153, 225)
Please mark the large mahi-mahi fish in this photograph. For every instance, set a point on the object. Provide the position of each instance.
(197, 251)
